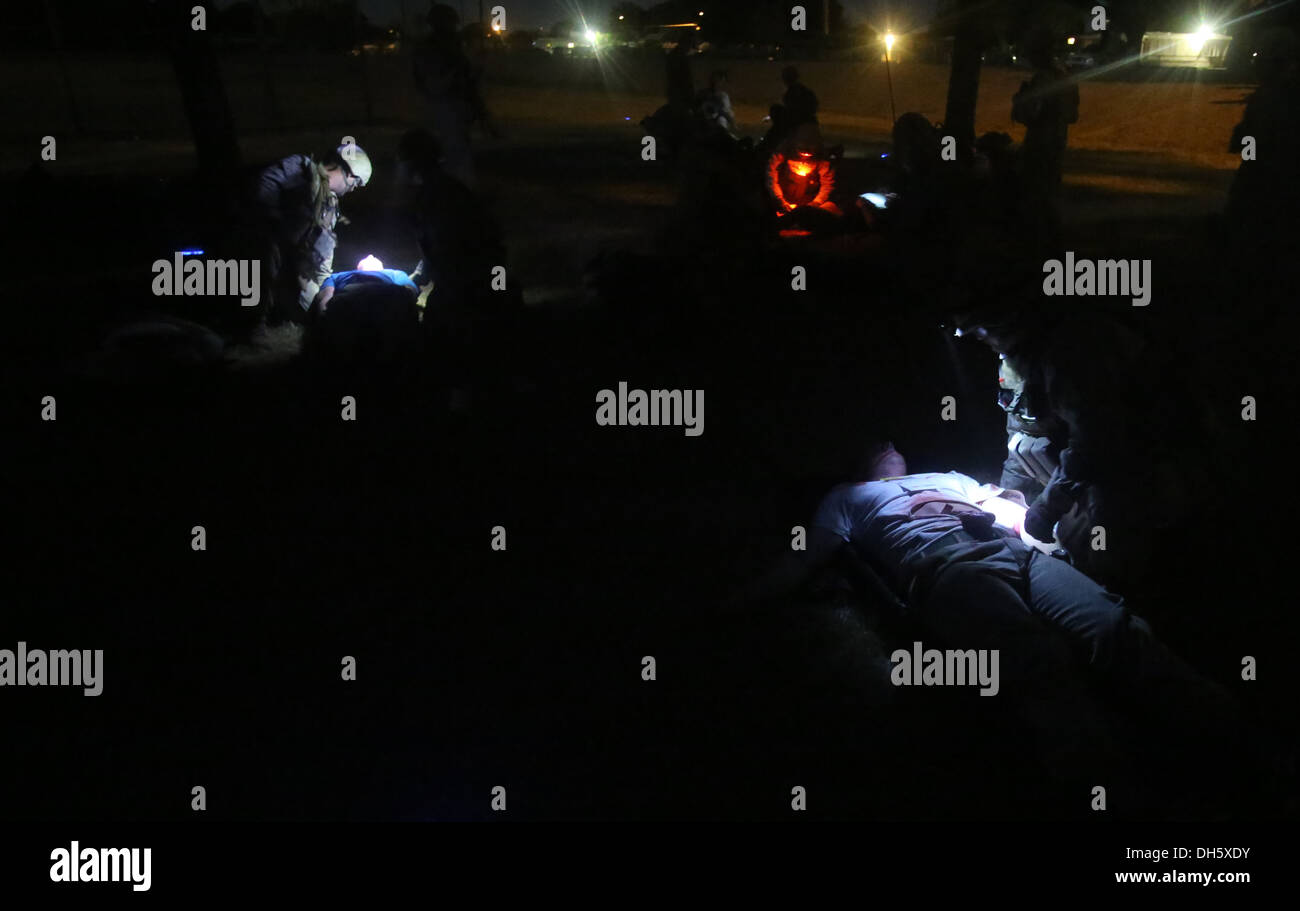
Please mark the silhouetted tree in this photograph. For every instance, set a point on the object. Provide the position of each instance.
(203, 93)
(970, 36)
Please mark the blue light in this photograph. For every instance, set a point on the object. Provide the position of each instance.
(190, 252)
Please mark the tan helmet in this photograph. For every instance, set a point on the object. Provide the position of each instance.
(357, 162)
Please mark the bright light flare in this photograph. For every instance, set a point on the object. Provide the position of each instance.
(1070, 41)
(590, 36)
(890, 38)
(370, 263)
(1199, 37)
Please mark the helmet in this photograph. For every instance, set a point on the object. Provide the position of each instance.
(357, 162)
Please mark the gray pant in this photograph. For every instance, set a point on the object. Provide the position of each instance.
(1060, 637)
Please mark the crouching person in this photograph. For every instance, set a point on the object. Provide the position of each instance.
(800, 181)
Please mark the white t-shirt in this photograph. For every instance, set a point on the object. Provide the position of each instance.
(891, 520)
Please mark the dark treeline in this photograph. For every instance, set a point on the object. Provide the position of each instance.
(143, 25)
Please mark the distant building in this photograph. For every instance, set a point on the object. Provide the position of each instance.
(575, 43)
(1202, 49)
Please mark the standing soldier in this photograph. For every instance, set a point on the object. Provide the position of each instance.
(296, 206)
(466, 322)
(1047, 104)
(446, 79)
(1265, 194)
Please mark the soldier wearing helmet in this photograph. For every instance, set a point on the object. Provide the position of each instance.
(296, 208)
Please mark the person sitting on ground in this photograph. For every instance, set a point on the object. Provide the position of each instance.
(799, 174)
(713, 105)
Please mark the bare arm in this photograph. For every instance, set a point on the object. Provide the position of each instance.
(323, 296)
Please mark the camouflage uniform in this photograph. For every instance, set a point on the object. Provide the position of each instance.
(1046, 105)
(1033, 433)
(1132, 457)
(297, 214)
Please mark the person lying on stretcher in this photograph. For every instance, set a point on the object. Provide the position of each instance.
(955, 552)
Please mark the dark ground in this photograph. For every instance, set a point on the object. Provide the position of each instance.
(522, 668)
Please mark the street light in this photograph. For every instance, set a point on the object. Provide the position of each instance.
(889, 46)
